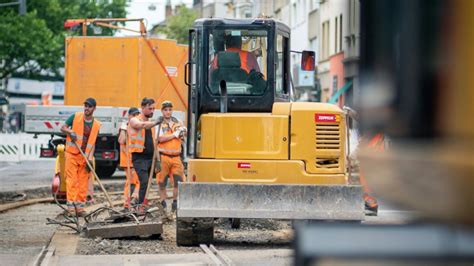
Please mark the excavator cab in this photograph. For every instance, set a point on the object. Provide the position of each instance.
(250, 57)
(251, 152)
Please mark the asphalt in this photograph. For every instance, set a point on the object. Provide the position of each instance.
(28, 175)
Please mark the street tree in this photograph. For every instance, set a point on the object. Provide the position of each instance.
(177, 26)
(32, 45)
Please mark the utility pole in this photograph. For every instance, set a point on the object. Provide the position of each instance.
(22, 7)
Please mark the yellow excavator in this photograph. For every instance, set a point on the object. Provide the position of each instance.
(251, 152)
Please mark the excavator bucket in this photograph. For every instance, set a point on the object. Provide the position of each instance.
(272, 201)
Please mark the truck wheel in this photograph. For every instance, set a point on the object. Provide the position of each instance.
(105, 171)
(194, 231)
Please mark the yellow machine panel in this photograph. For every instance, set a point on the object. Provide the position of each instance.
(318, 135)
(121, 71)
(243, 135)
(257, 171)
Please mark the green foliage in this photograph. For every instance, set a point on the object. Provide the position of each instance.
(33, 44)
(177, 26)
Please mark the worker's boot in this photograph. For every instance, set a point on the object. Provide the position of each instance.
(163, 204)
(371, 205)
(174, 206)
(133, 201)
(90, 200)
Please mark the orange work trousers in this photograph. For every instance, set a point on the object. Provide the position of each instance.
(133, 182)
(77, 180)
(170, 166)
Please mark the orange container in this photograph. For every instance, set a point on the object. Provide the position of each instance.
(120, 71)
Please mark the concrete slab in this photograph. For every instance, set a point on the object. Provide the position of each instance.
(16, 259)
(142, 259)
(280, 256)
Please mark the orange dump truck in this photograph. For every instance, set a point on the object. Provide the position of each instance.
(118, 72)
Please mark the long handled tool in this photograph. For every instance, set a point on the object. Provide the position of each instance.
(95, 174)
(129, 171)
(155, 143)
(152, 171)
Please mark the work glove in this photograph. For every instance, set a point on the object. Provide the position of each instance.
(73, 136)
(124, 126)
(91, 162)
(182, 132)
(176, 133)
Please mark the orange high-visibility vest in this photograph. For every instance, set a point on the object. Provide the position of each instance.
(78, 127)
(246, 63)
(377, 142)
(137, 140)
(173, 146)
(247, 60)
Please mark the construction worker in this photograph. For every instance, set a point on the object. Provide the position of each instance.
(132, 185)
(170, 133)
(376, 143)
(81, 129)
(142, 147)
(248, 61)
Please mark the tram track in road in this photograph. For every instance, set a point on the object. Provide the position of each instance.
(217, 256)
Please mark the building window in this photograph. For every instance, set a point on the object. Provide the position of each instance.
(314, 4)
(325, 41)
(340, 32)
(313, 46)
(336, 28)
(354, 10)
(301, 9)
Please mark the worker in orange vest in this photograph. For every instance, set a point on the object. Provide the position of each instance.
(171, 131)
(248, 61)
(142, 144)
(132, 185)
(376, 143)
(82, 129)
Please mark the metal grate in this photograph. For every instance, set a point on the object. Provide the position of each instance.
(328, 136)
